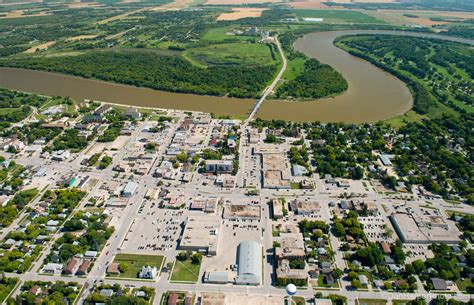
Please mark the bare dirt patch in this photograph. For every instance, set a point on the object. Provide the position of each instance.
(21, 14)
(308, 4)
(80, 37)
(239, 13)
(43, 46)
(83, 4)
(175, 5)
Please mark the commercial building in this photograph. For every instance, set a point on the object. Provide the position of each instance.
(291, 247)
(216, 277)
(305, 207)
(201, 234)
(278, 207)
(129, 189)
(249, 263)
(242, 211)
(219, 166)
(417, 229)
(276, 169)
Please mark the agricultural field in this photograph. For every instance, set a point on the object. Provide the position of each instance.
(337, 16)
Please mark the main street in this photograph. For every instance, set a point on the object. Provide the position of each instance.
(266, 92)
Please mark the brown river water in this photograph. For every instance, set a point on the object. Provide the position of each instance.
(373, 95)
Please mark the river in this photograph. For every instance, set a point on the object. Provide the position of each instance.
(372, 95)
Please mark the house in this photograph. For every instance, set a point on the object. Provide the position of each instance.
(173, 299)
(132, 113)
(148, 272)
(52, 268)
(386, 248)
(107, 293)
(82, 270)
(71, 266)
(90, 254)
(113, 269)
(36, 290)
(140, 294)
(363, 280)
(439, 284)
(329, 279)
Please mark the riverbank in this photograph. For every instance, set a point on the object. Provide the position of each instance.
(373, 94)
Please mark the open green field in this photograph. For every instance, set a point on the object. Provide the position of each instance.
(231, 54)
(219, 34)
(337, 16)
(185, 271)
(136, 261)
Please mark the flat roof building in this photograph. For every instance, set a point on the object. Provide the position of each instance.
(129, 189)
(416, 231)
(249, 263)
(219, 166)
(201, 234)
(242, 211)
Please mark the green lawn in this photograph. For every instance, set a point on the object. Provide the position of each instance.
(185, 271)
(337, 16)
(231, 54)
(136, 261)
(463, 285)
(371, 302)
(321, 282)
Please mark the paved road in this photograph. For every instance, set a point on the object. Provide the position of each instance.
(272, 86)
(239, 177)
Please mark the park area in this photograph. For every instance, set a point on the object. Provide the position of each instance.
(135, 262)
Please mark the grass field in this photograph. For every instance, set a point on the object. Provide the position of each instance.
(371, 302)
(136, 261)
(337, 16)
(220, 35)
(185, 272)
(230, 54)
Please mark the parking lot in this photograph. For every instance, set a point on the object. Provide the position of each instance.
(231, 235)
(156, 232)
(252, 173)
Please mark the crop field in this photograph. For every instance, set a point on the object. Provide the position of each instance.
(337, 16)
(239, 13)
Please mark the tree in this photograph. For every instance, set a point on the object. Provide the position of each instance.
(297, 264)
(123, 267)
(356, 283)
(196, 258)
(337, 273)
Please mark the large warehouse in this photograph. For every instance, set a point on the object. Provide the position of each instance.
(249, 263)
